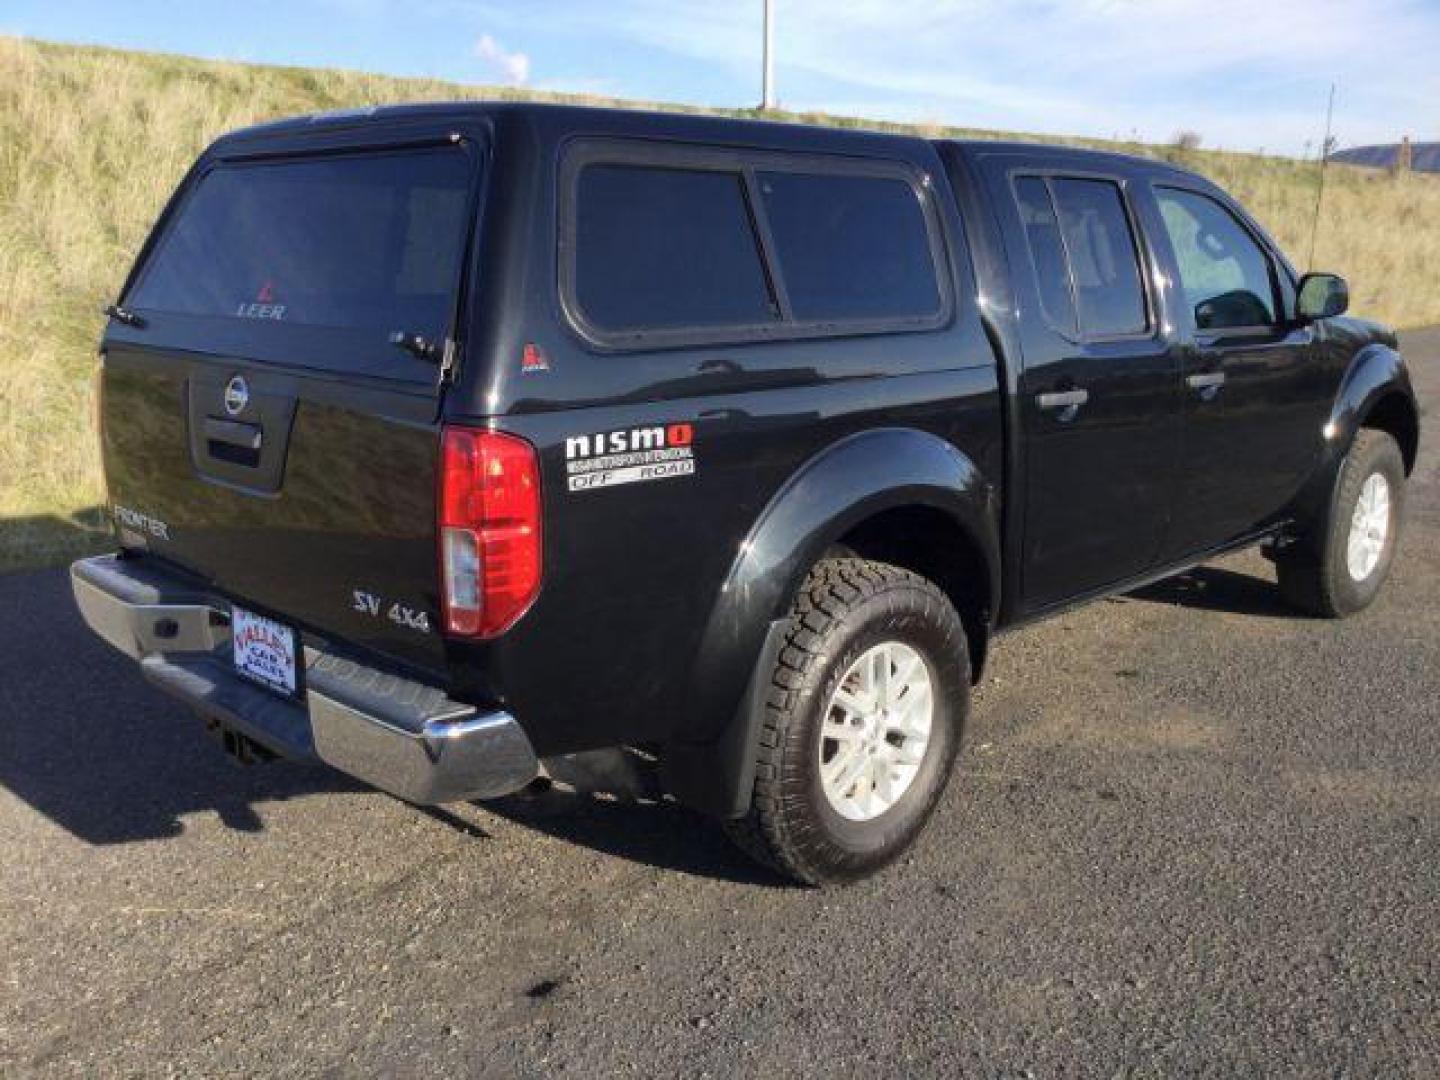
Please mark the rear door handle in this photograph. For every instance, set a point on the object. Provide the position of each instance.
(233, 433)
(1206, 380)
(1070, 400)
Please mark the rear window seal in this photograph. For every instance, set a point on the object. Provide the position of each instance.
(745, 163)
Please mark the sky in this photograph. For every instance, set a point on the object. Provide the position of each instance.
(1242, 74)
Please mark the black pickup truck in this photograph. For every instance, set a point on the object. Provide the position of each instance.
(452, 444)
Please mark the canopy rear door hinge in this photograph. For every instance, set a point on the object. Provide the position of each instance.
(449, 354)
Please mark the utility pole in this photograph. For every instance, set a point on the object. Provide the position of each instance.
(1325, 148)
(767, 93)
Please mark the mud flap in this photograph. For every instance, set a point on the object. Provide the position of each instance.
(717, 777)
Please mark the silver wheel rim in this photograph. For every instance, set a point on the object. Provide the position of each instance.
(875, 731)
(1369, 527)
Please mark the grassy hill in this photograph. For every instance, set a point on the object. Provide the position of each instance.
(93, 140)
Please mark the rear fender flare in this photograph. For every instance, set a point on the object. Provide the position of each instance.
(709, 762)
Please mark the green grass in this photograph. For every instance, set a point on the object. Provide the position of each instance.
(93, 140)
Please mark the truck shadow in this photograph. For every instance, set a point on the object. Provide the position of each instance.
(99, 752)
(1212, 588)
(87, 743)
(49, 539)
(659, 834)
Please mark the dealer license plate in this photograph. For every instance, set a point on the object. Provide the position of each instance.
(264, 650)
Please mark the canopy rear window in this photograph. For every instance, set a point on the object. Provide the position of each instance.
(368, 242)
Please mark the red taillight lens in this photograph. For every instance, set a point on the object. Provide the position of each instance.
(489, 520)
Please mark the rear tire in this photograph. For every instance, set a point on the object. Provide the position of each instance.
(1338, 566)
(862, 722)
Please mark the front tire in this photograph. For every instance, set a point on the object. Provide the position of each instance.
(862, 723)
(1337, 568)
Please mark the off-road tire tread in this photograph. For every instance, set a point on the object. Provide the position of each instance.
(833, 588)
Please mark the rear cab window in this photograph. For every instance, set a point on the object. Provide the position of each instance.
(664, 247)
(316, 261)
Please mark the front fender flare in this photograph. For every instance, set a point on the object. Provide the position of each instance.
(709, 763)
(1375, 373)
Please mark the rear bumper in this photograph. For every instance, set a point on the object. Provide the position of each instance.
(402, 736)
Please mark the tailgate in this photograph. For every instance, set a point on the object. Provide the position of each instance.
(259, 427)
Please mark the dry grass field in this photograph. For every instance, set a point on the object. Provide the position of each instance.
(93, 140)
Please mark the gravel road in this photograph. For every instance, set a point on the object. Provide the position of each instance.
(1191, 833)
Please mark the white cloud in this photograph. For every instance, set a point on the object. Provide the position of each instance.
(514, 67)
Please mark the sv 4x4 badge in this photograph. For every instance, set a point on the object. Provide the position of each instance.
(371, 604)
(629, 456)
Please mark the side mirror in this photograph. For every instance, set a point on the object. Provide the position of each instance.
(1322, 296)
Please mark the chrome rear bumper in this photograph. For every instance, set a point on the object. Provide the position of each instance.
(402, 736)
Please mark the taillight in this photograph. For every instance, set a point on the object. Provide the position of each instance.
(489, 521)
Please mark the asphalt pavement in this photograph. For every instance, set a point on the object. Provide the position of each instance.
(1191, 833)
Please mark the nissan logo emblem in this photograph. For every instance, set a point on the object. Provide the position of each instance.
(237, 395)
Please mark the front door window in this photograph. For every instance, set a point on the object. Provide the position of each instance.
(1224, 274)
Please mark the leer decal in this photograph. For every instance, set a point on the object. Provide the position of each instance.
(263, 306)
(629, 456)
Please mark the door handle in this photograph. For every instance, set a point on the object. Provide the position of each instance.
(233, 433)
(1068, 400)
(1206, 380)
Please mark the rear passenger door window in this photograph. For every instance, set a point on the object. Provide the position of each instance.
(658, 248)
(1083, 250)
(1224, 273)
(1047, 253)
